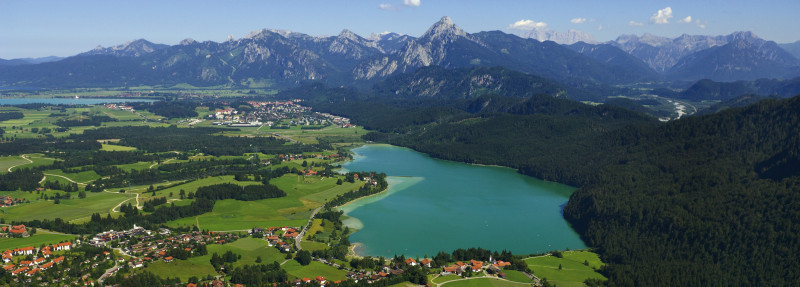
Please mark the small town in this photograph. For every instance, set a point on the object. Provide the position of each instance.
(91, 261)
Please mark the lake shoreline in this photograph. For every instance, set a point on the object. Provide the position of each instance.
(435, 214)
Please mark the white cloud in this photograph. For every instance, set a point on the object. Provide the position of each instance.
(414, 3)
(527, 24)
(600, 27)
(688, 19)
(662, 16)
(578, 20)
(387, 7)
(634, 23)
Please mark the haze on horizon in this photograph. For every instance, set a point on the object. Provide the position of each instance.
(65, 28)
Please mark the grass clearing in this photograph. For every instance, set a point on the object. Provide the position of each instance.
(7, 162)
(111, 147)
(573, 271)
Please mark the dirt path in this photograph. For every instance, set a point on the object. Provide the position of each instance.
(24, 156)
(64, 177)
(163, 162)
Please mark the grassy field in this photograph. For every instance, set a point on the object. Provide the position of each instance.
(445, 278)
(111, 147)
(313, 270)
(517, 276)
(182, 269)
(303, 195)
(573, 271)
(36, 240)
(81, 177)
(7, 162)
(249, 248)
(480, 282)
(101, 202)
(313, 246)
(332, 133)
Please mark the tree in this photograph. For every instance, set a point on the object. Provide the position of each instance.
(258, 259)
(339, 181)
(559, 266)
(82, 194)
(303, 257)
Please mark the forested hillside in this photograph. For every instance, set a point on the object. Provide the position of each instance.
(702, 201)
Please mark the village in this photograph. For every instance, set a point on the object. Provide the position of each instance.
(89, 261)
(273, 114)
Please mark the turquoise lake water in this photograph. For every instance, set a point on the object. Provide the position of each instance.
(434, 205)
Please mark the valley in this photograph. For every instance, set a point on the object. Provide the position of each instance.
(516, 156)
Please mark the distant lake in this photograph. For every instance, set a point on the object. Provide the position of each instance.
(434, 205)
(67, 101)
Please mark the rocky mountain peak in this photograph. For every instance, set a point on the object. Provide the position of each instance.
(445, 30)
(187, 42)
(347, 34)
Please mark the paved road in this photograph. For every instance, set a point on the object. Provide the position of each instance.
(107, 274)
(302, 233)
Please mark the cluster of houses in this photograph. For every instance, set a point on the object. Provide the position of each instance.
(15, 231)
(367, 179)
(102, 239)
(275, 238)
(475, 266)
(337, 120)
(153, 248)
(6, 200)
(271, 112)
(39, 261)
(119, 107)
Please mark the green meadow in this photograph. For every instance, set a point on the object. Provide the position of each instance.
(313, 270)
(111, 147)
(70, 209)
(573, 271)
(7, 162)
(35, 240)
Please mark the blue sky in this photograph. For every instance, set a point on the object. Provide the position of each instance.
(65, 28)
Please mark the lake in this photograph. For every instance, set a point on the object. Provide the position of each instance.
(67, 101)
(434, 205)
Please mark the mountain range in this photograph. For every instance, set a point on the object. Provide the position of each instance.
(279, 58)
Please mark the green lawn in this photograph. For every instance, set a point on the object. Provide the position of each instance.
(573, 271)
(111, 147)
(313, 270)
(135, 166)
(36, 240)
(480, 282)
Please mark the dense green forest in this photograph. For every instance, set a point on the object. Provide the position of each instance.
(702, 201)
